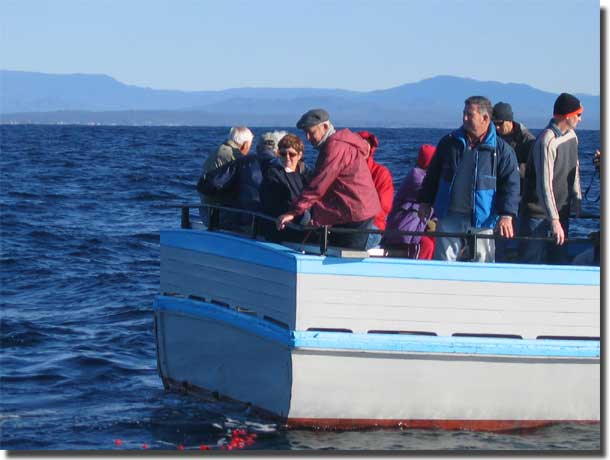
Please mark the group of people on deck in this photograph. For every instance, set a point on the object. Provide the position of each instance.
(491, 174)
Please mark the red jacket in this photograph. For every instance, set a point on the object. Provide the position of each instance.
(385, 189)
(382, 179)
(342, 189)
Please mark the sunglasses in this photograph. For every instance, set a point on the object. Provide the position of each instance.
(498, 122)
(292, 154)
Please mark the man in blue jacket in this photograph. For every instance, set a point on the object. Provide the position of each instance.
(473, 184)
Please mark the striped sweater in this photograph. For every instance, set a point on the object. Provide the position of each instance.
(552, 179)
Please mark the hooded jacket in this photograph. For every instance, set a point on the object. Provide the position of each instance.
(382, 180)
(495, 184)
(404, 215)
(341, 189)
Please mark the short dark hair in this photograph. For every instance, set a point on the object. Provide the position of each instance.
(482, 102)
(291, 141)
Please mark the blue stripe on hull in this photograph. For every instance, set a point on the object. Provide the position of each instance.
(380, 342)
(279, 257)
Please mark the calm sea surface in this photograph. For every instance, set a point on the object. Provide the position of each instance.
(81, 210)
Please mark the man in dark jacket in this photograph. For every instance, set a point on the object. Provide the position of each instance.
(236, 146)
(341, 192)
(552, 185)
(516, 134)
(473, 183)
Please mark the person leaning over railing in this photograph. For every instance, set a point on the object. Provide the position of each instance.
(473, 181)
(341, 192)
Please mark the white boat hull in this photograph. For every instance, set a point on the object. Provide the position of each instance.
(236, 324)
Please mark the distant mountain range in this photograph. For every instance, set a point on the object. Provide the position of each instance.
(30, 97)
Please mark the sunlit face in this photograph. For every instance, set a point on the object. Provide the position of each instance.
(504, 127)
(290, 157)
(316, 133)
(573, 120)
(475, 123)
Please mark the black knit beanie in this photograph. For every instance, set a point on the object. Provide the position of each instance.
(566, 104)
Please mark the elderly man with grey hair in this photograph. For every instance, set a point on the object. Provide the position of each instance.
(473, 184)
(236, 146)
(341, 192)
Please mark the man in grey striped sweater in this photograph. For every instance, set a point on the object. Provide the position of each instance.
(552, 185)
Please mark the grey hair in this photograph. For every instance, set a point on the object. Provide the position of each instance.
(484, 104)
(240, 134)
(270, 140)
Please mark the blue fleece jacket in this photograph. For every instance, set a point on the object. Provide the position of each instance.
(495, 181)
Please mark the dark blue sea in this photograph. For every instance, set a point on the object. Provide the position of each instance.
(81, 210)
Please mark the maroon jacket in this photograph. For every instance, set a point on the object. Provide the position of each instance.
(341, 189)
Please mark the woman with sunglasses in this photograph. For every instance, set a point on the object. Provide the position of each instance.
(283, 181)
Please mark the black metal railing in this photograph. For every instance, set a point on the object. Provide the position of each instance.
(324, 232)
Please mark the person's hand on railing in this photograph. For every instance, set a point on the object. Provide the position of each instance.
(557, 231)
(282, 220)
(424, 211)
(505, 227)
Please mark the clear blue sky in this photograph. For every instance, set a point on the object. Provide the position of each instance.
(552, 45)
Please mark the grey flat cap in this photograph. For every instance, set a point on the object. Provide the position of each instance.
(312, 118)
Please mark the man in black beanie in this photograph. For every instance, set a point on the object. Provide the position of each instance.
(552, 185)
(515, 133)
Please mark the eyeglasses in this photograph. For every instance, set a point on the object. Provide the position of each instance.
(291, 153)
(498, 122)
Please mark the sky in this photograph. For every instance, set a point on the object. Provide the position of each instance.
(363, 45)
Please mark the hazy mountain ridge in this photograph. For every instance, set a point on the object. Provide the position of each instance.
(30, 97)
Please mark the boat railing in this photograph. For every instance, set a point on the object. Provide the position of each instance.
(324, 232)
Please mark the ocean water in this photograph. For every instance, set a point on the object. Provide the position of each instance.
(80, 214)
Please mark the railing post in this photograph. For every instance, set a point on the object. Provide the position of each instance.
(254, 227)
(324, 240)
(185, 217)
(473, 246)
(212, 218)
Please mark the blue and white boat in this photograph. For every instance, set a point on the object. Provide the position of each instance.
(324, 341)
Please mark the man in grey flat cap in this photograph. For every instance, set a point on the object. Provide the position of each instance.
(341, 192)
